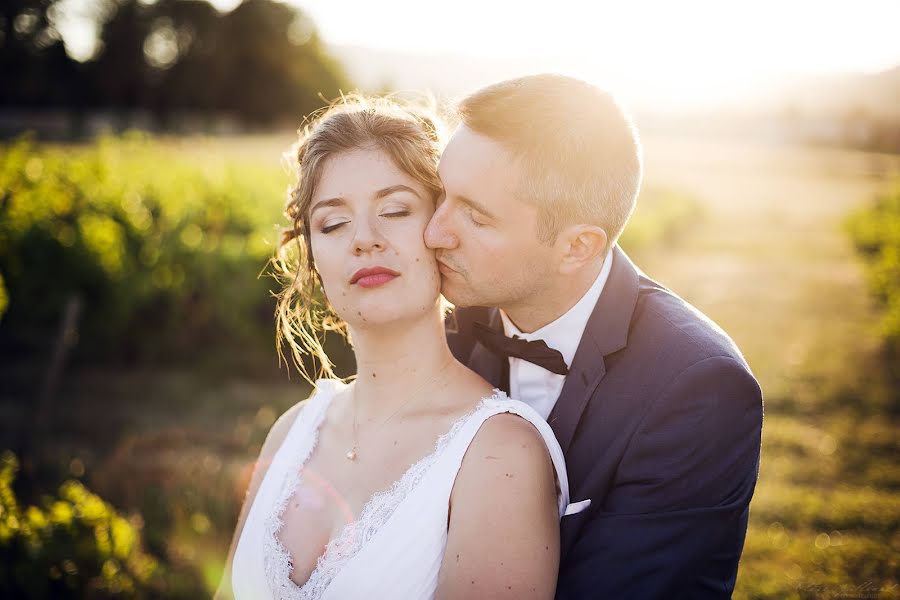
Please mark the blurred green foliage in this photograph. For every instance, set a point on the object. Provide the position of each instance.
(876, 233)
(4, 297)
(662, 215)
(74, 546)
(165, 252)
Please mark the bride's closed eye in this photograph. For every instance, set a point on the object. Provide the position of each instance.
(390, 215)
(394, 215)
(330, 228)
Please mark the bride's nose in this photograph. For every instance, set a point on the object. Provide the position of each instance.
(367, 237)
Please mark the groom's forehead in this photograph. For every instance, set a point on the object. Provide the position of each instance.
(470, 154)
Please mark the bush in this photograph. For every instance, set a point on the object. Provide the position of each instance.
(75, 546)
(164, 254)
(876, 232)
(662, 215)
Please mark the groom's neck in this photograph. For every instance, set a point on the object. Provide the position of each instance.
(546, 305)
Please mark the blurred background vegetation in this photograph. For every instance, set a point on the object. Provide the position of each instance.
(140, 201)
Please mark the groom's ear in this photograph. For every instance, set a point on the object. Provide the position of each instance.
(580, 245)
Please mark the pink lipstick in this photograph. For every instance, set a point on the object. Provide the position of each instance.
(373, 276)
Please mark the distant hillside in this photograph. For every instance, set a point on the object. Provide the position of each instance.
(874, 95)
(858, 110)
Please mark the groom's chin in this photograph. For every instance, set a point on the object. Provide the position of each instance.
(451, 294)
(454, 295)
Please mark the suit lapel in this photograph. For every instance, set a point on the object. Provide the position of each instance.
(486, 363)
(606, 332)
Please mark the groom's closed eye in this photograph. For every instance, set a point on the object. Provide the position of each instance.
(477, 214)
(474, 217)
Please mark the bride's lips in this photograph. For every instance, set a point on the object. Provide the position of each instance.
(373, 276)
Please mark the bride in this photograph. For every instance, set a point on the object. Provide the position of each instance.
(417, 479)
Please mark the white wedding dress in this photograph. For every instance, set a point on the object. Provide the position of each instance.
(395, 547)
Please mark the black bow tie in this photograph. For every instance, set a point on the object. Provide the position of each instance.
(536, 352)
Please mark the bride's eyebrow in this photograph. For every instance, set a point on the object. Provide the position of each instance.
(395, 188)
(326, 203)
(379, 194)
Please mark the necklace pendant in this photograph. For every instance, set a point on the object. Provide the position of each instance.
(351, 454)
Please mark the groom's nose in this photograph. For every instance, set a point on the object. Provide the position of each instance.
(439, 233)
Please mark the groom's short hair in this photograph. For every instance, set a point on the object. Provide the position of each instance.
(580, 152)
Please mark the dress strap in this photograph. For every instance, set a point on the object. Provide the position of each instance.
(500, 403)
(308, 419)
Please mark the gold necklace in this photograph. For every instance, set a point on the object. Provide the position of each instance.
(353, 452)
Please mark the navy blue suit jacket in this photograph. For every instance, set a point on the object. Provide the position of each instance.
(660, 420)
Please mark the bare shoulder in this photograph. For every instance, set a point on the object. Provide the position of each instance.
(507, 430)
(503, 530)
(507, 447)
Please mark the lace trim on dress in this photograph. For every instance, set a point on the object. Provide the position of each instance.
(276, 559)
(376, 512)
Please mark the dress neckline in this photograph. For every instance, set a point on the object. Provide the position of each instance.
(375, 512)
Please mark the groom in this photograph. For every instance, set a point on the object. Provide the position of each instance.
(654, 406)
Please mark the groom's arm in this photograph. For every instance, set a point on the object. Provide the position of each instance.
(673, 525)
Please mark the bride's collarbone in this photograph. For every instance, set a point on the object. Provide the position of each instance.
(383, 454)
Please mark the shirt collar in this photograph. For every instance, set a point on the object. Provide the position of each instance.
(564, 334)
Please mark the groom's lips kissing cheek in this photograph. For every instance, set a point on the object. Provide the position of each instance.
(444, 268)
(370, 277)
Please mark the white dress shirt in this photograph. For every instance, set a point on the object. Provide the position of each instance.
(534, 385)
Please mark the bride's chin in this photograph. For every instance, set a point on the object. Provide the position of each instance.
(389, 318)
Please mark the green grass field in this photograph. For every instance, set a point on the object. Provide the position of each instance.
(764, 254)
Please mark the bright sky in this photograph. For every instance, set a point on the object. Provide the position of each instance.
(808, 35)
(685, 50)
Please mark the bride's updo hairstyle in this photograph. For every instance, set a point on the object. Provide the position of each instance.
(410, 134)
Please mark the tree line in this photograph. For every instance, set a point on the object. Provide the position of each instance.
(261, 62)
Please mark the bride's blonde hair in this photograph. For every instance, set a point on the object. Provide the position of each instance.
(411, 134)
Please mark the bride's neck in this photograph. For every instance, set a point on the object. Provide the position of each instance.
(395, 360)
